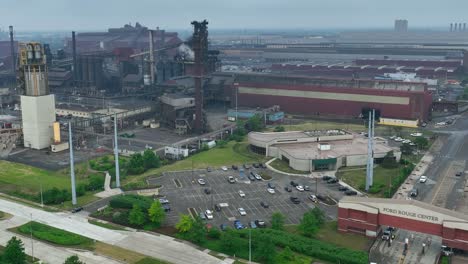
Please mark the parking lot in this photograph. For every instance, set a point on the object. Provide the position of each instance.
(187, 196)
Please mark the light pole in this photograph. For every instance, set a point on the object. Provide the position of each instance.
(42, 199)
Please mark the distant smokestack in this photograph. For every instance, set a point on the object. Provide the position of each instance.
(451, 27)
(12, 47)
(75, 66)
(464, 26)
(459, 26)
(151, 54)
(456, 27)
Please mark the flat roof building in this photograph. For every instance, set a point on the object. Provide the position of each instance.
(318, 150)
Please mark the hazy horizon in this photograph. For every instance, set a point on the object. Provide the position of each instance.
(66, 15)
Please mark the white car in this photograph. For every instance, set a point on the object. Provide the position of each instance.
(241, 211)
(392, 137)
(270, 190)
(423, 179)
(416, 134)
(398, 139)
(300, 188)
(224, 168)
(441, 123)
(201, 181)
(209, 214)
(241, 194)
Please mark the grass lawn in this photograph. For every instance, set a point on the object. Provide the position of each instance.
(28, 179)
(55, 236)
(232, 153)
(105, 225)
(283, 166)
(329, 233)
(149, 260)
(356, 177)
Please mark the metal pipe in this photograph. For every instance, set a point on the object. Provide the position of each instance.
(12, 47)
(151, 50)
(72, 163)
(116, 153)
(75, 77)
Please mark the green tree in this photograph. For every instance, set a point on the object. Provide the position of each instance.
(277, 221)
(150, 159)
(136, 164)
(231, 242)
(255, 123)
(73, 260)
(389, 161)
(286, 256)
(197, 233)
(185, 223)
(265, 249)
(14, 252)
(311, 222)
(421, 142)
(156, 213)
(406, 149)
(136, 216)
(221, 143)
(279, 129)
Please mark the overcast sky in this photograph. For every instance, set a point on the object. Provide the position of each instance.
(49, 15)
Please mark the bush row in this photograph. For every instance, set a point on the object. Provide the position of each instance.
(398, 181)
(127, 201)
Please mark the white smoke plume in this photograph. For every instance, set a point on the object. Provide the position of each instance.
(187, 52)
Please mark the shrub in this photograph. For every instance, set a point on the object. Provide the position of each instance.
(127, 201)
(53, 235)
(55, 196)
(80, 190)
(95, 182)
(214, 233)
(121, 218)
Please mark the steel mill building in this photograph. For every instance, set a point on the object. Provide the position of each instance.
(406, 101)
(318, 150)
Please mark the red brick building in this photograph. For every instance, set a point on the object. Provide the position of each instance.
(367, 215)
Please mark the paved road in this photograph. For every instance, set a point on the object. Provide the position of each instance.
(46, 252)
(158, 246)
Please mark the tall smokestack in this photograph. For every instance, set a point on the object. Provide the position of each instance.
(151, 50)
(200, 44)
(451, 27)
(464, 26)
(459, 26)
(456, 27)
(75, 66)
(12, 47)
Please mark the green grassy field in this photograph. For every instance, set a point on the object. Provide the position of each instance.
(55, 236)
(28, 179)
(232, 153)
(356, 177)
(329, 233)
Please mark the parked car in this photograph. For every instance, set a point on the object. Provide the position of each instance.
(260, 223)
(201, 181)
(263, 166)
(332, 180)
(326, 177)
(422, 179)
(270, 190)
(77, 209)
(166, 207)
(306, 188)
(163, 201)
(351, 192)
(295, 200)
(252, 224)
(256, 165)
(264, 204)
(224, 168)
(217, 208)
(414, 192)
(242, 211)
(209, 169)
(343, 188)
(223, 227)
(458, 174)
(252, 176)
(207, 191)
(231, 179)
(294, 184)
(258, 177)
(446, 251)
(288, 189)
(313, 198)
(271, 185)
(321, 197)
(386, 235)
(238, 224)
(209, 214)
(246, 166)
(300, 188)
(202, 216)
(234, 167)
(241, 194)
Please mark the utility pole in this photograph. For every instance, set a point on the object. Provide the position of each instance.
(42, 199)
(116, 154)
(32, 241)
(371, 173)
(72, 163)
